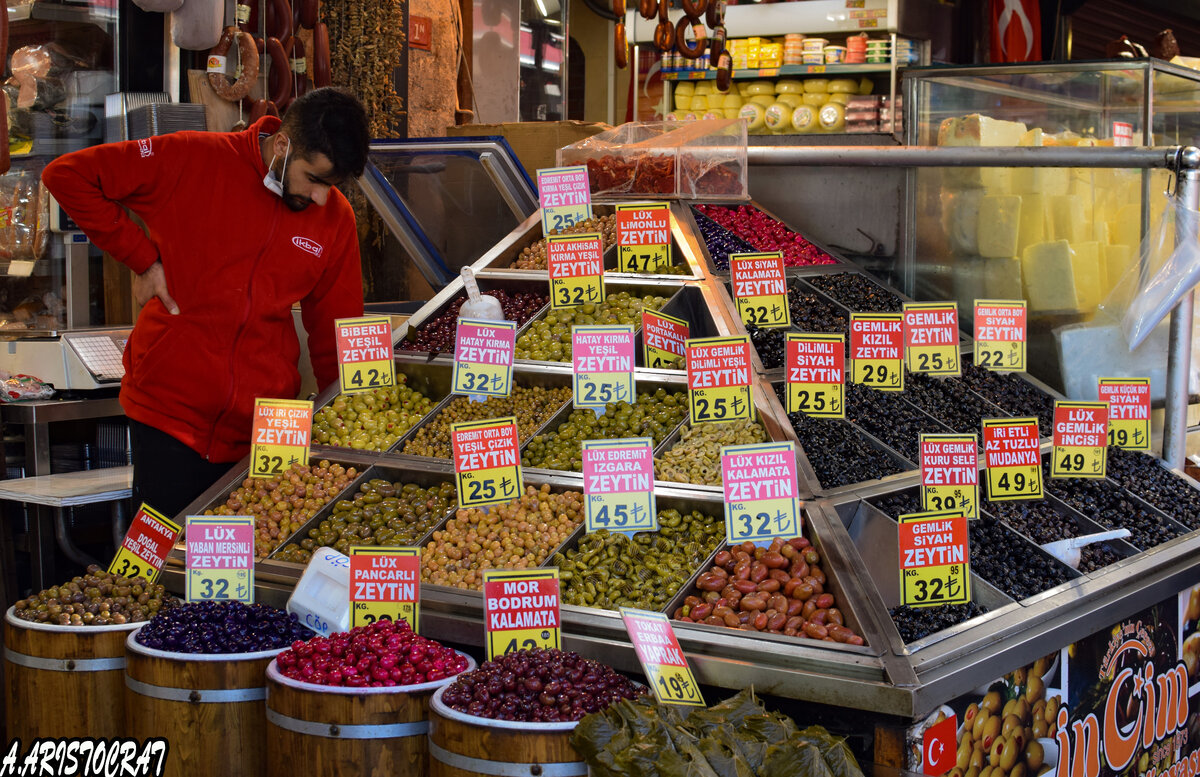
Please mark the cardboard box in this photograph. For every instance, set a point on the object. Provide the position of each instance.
(536, 143)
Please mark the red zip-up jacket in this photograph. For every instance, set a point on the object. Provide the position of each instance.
(236, 259)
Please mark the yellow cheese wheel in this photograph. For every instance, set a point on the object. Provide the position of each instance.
(704, 87)
(731, 113)
(755, 116)
(713, 114)
(815, 99)
(865, 86)
(789, 86)
(765, 100)
(760, 87)
(685, 87)
(804, 119)
(778, 116)
(813, 85)
(732, 101)
(839, 97)
(832, 117)
(843, 86)
(792, 100)
(700, 102)
(683, 102)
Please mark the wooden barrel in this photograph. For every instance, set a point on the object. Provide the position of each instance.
(463, 745)
(323, 730)
(210, 707)
(64, 681)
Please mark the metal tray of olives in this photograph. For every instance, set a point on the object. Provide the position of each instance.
(805, 280)
(523, 376)
(649, 287)
(685, 505)
(383, 471)
(433, 379)
(674, 385)
(673, 439)
(832, 585)
(688, 220)
(929, 425)
(444, 298)
(1185, 479)
(503, 256)
(876, 539)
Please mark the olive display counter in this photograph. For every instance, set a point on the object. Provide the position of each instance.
(903, 667)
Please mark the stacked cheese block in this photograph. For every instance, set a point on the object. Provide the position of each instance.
(1061, 238)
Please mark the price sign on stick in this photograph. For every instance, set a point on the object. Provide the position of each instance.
(1080, 440)
(521, 610)
(1013, 457)
(576, 267)
(146, 545)
(760, 290)
(762, 496)
(220, 558)
(931, 337)
(483, 357)
(877, 350)
(487, 461)
(664, 339)
(661, 658)
(281, 434)
(602, 357)
(934, 566)
(643, 237)
(385, 585)
(1000, 334)
(565, 197)
(618, 485)
(719, 378)
(816, 374)
(364, 347)
(950, 473)
(1128, 412)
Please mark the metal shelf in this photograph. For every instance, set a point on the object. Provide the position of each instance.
(780, 72)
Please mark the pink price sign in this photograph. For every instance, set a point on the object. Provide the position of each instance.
(220, 558)
(661, 657)
(618, 484)
(565, 197)
(762, 494)
(664, 339)
(602, 357)
(483, 357)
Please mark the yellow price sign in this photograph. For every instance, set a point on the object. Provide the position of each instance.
(1013, 459)
(368, 613)
(877, 350)
(618, 485)
(521, 610)
(931, 337)
(1080, 440)
(661, 658)
(719, 378)
(364, 347)
(483, 357)
(575, 264)
(760, 289)
(643, 237)
(281, 434)
(487, 461)
(1128, 411)
(564, 196)
(146, 545)
(816, 374)
(950, 473)
(219, 558)
(385, 584)
(1000, 334)
(934, 560)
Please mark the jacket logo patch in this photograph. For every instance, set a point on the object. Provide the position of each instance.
(304, 244)
(144, 148)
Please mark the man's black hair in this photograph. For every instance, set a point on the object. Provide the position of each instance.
(330, 121)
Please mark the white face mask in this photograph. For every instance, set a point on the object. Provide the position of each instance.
(269, 180)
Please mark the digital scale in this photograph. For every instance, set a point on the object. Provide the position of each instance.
(86, 359)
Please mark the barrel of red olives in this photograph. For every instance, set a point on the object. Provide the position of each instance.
(211, 707)
(64, 681)
(320, 729)
(462, 745)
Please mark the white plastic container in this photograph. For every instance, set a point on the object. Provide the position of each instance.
(321, 599)
(482, 307)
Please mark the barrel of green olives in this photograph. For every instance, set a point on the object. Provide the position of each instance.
(321, 729)
(458, 743)
(64, 681)
(210, 707)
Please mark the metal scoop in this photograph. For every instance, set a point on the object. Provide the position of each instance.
(1067, 551)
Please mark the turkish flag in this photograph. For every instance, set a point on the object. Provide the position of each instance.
(1016, 30)
(939, 747)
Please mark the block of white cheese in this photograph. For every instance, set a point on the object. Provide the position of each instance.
(999, 225)
(978, 130)
(1126, 226)
(1050, 181)
(1049, 277)
(1090, 275)
(968, 281)
(1117, 259)
(1067, 220)
(960, 218)
(1033, 222)
(1002, 278)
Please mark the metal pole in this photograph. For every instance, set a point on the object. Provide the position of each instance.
(1179, 353)
(943, 156)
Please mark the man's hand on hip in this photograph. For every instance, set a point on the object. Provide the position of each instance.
(151, 284)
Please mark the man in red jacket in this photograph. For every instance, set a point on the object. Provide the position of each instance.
(234, 240)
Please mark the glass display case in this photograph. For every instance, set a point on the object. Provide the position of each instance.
(1062, 239)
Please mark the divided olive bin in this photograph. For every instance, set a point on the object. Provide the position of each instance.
(486, 284)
